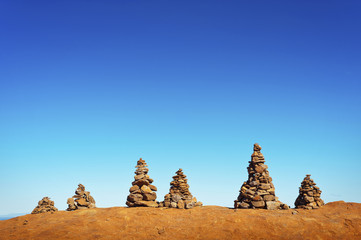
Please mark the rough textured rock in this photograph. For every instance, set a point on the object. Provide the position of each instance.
(336, 220)
(309, 195)
(258, 191)
(81, 200)
(142, 193)
(179, 195)
(44, 205)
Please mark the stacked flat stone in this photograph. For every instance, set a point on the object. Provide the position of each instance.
(142, 192)
(309, 195)
(179, 195)
(44, 205)
(81, 200)
(258, 191)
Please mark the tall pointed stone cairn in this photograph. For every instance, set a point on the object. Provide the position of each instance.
(258, 191)
(81, 199)
(142, 193)
(179, 195)
(309, 195)
(45, 205)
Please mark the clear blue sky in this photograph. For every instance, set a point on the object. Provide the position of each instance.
(88, 87)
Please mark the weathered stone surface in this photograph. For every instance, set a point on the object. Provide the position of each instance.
(134, 188)
(153, 188)
(257, 198)
(180, 204)
(259, 187)
(81, 200)
(269, 197)
(138, 177)
(150, 196)
(258, 204)
(244, 205)
(135, 197)
(264, 186)
(309, 195)
(179, 195)
(141, 182)
(142, 193)
(44, 205)
(146, 204)
(145, 189)
(130, 204)
(273, 205)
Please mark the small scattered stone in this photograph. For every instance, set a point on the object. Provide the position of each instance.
(161, 230)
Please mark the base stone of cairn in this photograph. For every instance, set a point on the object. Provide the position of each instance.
(179, 195)
(81, 200)
(142, 192)
(45, 205)
(258, 191)
(309, 195)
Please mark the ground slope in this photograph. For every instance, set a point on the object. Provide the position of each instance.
(336, 220)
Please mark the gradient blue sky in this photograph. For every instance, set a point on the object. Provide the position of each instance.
(88, 87)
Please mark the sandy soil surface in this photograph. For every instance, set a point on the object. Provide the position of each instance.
(336, 220)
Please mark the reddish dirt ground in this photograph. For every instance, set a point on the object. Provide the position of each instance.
(336, 220)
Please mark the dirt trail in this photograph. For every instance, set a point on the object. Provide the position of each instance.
(336, 220)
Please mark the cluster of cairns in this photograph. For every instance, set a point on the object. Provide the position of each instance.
(142, 192)
(179, 195)
(45, 205)
(81, 199)
(309, 195)
(257, 192)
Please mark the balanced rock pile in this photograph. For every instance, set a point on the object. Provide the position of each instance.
(309, 195)
(258, 191)
(179, 195)
(142, 192)
(45, 205)
(81, 199)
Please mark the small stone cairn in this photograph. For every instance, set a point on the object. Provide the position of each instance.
(258, 191)
(309, 195)
(179, 195)
(81, 200)
(45, 205)
(142, 193)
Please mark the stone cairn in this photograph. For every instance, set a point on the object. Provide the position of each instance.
(309, 195)
(179, 195)
(258, 191)
(142, 193)
(81, 199)
(45, 205)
